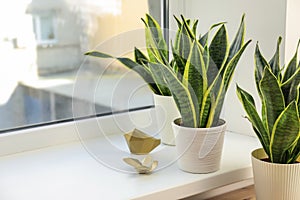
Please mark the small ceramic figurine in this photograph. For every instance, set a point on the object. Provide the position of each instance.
(145, 167)
(140, 143)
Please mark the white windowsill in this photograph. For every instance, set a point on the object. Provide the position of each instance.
(52, 163)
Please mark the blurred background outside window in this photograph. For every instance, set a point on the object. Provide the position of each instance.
(42, 45)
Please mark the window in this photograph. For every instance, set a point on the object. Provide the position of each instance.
(44, 28)
(43, 63)
(45, 76)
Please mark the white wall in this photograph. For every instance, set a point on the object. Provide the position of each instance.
(265, 21)
(293, 28)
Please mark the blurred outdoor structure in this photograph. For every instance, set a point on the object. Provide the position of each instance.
(42, 49)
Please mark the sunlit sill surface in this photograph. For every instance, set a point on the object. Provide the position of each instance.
(83, 169)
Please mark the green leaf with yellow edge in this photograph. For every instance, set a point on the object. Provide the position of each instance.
(260, 64)
(248, 104)
(130, 64)
(238, 41)
(272, 98)
(195, 73)
(155, 41)
(290, 87)
(285, 132)
(139, 57)
(275, 61)
(183, 97)
(219, 47)
(292, 66)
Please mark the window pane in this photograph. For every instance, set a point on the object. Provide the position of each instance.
(46, 28)
(44, 82)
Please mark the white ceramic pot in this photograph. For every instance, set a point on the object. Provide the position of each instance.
(199, 150)
(275, 181)
(166, 111)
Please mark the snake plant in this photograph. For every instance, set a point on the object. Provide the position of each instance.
(203, 71)
(199, 73)
(278, 126)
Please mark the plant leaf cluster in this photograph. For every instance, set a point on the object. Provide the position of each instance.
(278, 126)
(157, 52)
(201, 70)
(199, 73)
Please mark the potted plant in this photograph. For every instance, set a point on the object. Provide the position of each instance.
(166, 110)
(276, 165)
(199, 93)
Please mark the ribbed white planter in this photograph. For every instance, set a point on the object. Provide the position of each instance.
(199, 150)
(275, 181)
(166, 111)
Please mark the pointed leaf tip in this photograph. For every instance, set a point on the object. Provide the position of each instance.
(243, 16)
(98, 54)
(298, 45)
(279, 40)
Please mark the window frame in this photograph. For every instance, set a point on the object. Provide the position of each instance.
(36, 22)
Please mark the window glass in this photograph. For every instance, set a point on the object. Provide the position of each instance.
(44, 73)
(44, 30)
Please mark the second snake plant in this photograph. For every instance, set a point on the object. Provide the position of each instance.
(278, 126)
